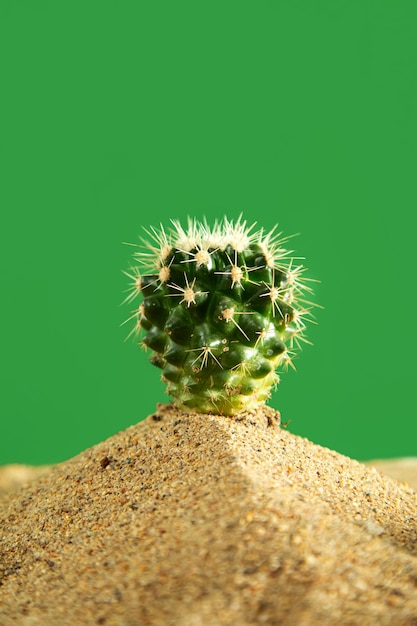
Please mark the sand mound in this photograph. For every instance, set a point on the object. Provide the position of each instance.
(196, 520)
(15, 475)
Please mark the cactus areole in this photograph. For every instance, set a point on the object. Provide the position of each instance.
(221, 309)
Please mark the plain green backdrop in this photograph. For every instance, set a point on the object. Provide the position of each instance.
(119, 115)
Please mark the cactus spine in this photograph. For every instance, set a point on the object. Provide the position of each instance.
(222, 308)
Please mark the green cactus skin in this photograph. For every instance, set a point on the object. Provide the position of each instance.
(222, 308)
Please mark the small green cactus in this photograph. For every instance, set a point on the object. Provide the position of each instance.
(222, 308)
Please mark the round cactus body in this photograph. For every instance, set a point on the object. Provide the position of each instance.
(222, 308)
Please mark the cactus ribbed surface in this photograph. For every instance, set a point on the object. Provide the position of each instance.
(222, 308)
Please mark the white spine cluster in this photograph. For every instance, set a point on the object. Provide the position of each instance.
(199, 241)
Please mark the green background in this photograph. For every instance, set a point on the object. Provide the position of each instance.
(120, 115)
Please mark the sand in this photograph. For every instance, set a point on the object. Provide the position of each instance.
(196, 520)
(402, 469)
(16, 475)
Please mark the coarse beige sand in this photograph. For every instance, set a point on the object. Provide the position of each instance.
(402, 469)
(15, 475)
(198, 520)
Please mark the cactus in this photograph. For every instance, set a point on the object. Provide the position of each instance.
(222, 308)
